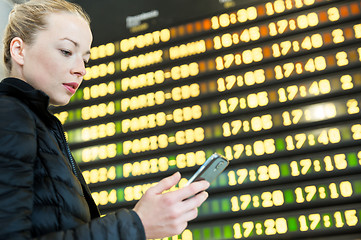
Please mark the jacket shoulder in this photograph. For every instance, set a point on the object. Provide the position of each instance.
(17, 129)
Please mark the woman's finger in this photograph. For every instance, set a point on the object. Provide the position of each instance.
(165, 184)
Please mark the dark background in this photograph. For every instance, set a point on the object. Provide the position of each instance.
(109, 16)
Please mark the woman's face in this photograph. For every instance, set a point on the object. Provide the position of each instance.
(55, 61)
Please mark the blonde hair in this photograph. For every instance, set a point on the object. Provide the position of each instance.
(26, 19)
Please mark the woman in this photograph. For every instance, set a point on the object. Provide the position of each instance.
(42, 192)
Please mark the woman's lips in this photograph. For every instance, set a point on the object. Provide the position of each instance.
(71, 87)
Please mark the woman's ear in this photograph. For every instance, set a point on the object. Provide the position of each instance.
(17, 50)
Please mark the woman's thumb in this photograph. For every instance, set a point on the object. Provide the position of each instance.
(167, 183)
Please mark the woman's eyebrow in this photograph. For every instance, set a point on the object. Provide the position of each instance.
(75, 43)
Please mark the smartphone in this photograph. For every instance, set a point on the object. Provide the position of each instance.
(210, 169)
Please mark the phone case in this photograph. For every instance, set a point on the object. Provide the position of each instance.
(210, 169)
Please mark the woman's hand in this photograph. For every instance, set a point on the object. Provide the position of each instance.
(167, 214)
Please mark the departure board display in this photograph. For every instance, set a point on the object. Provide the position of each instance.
(274, 86)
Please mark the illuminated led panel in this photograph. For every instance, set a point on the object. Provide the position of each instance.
(305, 66)
(241, 16)
(303, 223)
(263, 31)
(275, 87)
(294, 141)
(249, 201)
(240, 174)
(250, 150)
(235, 126)
(257, 76)
(290, 169)
(258, 122)
(278, 143)
(287, 196)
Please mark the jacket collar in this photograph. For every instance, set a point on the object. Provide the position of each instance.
(35, 99)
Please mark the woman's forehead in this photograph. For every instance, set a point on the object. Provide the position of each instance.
(70, 27)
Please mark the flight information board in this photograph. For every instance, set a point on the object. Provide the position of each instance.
(274, 86)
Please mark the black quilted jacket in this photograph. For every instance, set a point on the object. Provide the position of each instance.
(42, 192)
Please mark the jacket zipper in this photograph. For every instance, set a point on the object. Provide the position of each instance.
(71, 159)
(89, 200)
(65, 143)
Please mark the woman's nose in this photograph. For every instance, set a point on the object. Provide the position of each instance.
(79, 68)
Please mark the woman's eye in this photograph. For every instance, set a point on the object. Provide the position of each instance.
(65, 52)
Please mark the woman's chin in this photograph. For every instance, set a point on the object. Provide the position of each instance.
(59, 102)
